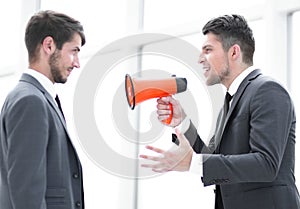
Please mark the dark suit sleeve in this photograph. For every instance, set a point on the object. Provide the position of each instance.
(271, 122)
(27, 130)
(196, 142)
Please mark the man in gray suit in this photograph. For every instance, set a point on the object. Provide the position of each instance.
(39, 167)
(251, 156)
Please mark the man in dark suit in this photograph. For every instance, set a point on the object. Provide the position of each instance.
(39, 167)
(251, 156)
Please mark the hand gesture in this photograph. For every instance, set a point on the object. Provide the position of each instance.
(171, 160)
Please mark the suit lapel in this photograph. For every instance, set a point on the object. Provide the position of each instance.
(253, 75)
(54, 105)
(29, 79)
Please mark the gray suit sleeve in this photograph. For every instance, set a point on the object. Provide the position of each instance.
(28, 132)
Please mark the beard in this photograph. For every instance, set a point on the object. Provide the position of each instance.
(224, 74)
(54, 67)
(216, 79)
(213, 80)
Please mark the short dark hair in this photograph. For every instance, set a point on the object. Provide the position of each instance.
(49, 23)
(230, 30)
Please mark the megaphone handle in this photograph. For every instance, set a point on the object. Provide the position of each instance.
(169, 119)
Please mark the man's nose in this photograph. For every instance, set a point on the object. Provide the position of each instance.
(201, 59)
(76, 62)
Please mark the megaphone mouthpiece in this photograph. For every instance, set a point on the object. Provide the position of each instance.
(129, 89)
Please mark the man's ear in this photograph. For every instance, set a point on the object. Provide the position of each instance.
(48, 45)
(235, 52)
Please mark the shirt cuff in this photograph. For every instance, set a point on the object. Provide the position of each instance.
(197, 164)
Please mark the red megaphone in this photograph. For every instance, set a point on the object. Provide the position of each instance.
(139, 90)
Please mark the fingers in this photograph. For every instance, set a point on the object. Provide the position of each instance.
(160, 166)
(153, 158)
(178, 159)
(164, 111)
(148, 157)
(155, 149)
(169, 108)
(164, 100)
(163, 108)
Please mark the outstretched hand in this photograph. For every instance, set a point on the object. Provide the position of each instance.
(171, 160)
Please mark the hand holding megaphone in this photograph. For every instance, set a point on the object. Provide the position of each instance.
(139, 90)
(176, 114)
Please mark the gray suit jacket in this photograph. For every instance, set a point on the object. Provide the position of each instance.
(39, 167)
(254, 163)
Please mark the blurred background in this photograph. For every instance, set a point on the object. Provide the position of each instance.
(275, 24)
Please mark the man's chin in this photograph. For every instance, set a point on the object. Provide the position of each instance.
(61, 80)
(212, 82)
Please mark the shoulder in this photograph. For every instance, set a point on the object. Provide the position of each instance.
(268, 85)
(270, 93)
(23, 96)
(25, 89)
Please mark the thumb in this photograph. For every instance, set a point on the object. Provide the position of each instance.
(172, 100)
(182, 139)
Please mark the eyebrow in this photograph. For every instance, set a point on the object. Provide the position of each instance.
(206, 46)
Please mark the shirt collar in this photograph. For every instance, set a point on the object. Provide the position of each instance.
(239, 79)
(44, 81)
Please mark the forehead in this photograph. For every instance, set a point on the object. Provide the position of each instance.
(211, 40)
(74, 42)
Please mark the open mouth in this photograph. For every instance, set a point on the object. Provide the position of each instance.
(206, 70)
(69, 70)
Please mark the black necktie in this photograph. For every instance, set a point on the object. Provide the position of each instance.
(59, 105)
(219, 130)
(227, 100)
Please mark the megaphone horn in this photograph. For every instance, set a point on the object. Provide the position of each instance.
(139, 90)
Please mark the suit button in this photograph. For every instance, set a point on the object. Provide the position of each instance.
(75, 176)
(78, 204)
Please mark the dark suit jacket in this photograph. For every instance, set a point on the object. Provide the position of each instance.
(39, 168)
(254, 163)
